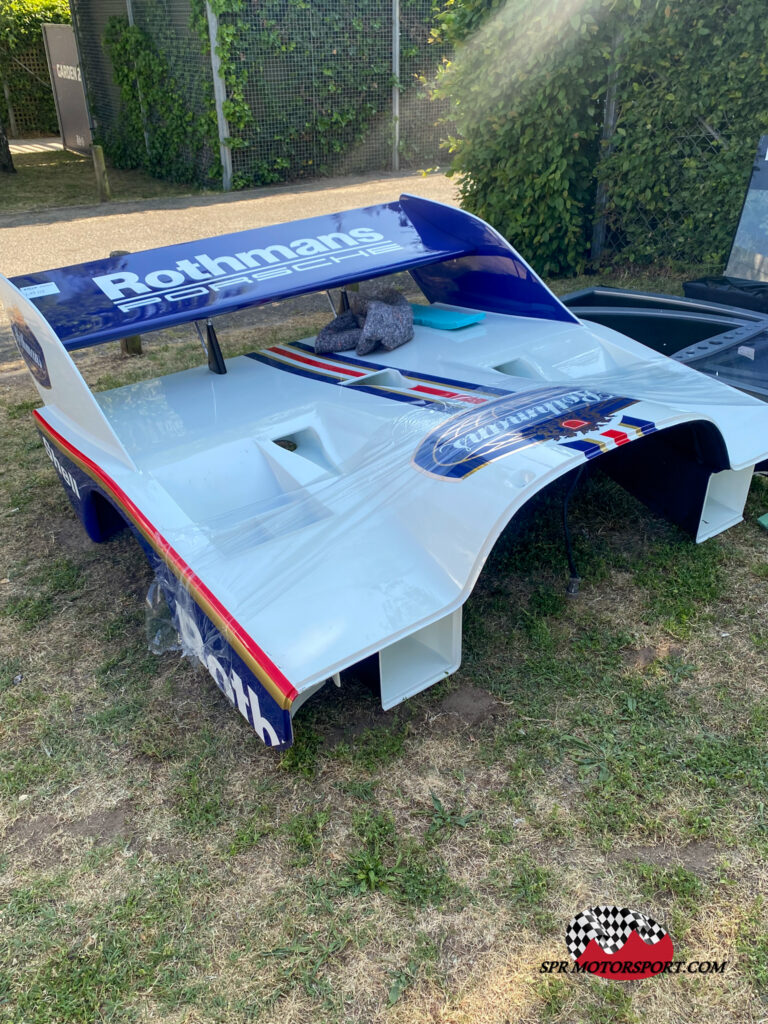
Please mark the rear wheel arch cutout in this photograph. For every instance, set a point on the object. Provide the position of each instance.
(670, 470)
(101, 518)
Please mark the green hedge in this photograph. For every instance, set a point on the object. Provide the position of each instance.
(306, 91)
(308, 87)
(23, 66)
(298, 99)
(528, 87)
(163, 128)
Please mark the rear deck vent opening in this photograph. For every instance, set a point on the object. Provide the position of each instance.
(307, 444)
(388, 378)
(519, 368)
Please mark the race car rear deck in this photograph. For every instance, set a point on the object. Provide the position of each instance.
(306, 512)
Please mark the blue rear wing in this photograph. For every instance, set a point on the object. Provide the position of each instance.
(453, 256)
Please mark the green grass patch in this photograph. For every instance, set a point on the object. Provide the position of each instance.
(752, 945)
(305, 831)
(301, 757)
(134, 666)
(304, 963)
(527, 887)
(686, 887)
(387, 863)
(385, 859)
(200, 798)
(681, 579)
(375, 748)
(251, 831)
(47, 760)
(140, 940)
(443, 819)
(60, 577)
(17, 410)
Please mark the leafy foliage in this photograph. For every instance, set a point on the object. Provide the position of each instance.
(693, 92)
(20, 21)
(308, 87)
(526, 123)
(336, 57)
(444, 818)
(22, 58)
(529, 83)
(160, 129)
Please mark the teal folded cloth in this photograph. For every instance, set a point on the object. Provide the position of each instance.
(444, 319)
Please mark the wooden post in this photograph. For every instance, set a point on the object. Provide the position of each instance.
(14, 131)
(102, 182)
(610, 118)
(6, 160)
(220, 99)
(130, 346)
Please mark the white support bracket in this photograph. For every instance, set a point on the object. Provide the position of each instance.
(425, 657)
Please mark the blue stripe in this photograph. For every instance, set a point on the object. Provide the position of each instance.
(309, 373)
(371, 389)
(645, 426)
(343, 358)
(590, 449)
(398, 396)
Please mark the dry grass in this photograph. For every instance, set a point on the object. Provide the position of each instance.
(160, 865)
(63, 178)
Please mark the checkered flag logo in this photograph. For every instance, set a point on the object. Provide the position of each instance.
(610, 927)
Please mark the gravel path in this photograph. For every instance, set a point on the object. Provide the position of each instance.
(76, 234)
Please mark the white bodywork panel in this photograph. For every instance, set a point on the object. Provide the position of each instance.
(305, 512)
(344, 547)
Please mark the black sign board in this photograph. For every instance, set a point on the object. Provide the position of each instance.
(68, 91)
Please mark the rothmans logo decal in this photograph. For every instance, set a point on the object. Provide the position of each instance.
(189, 278)
(62, 470)
(474, 438)
(30, 350)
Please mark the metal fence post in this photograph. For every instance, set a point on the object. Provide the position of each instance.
(396, 85)
(131, 22)
(219, 95)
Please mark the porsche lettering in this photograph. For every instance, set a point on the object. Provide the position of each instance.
(123, 284)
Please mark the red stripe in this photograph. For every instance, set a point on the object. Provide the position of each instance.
(190, 579)
(289, 354)
(317, 362)
(617, 435)
(449, 394)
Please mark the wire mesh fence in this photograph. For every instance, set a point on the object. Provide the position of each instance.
(424, 121)
(307, 90)
(317, 85)
(188, 69)
(89, 20)
(694, 160)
